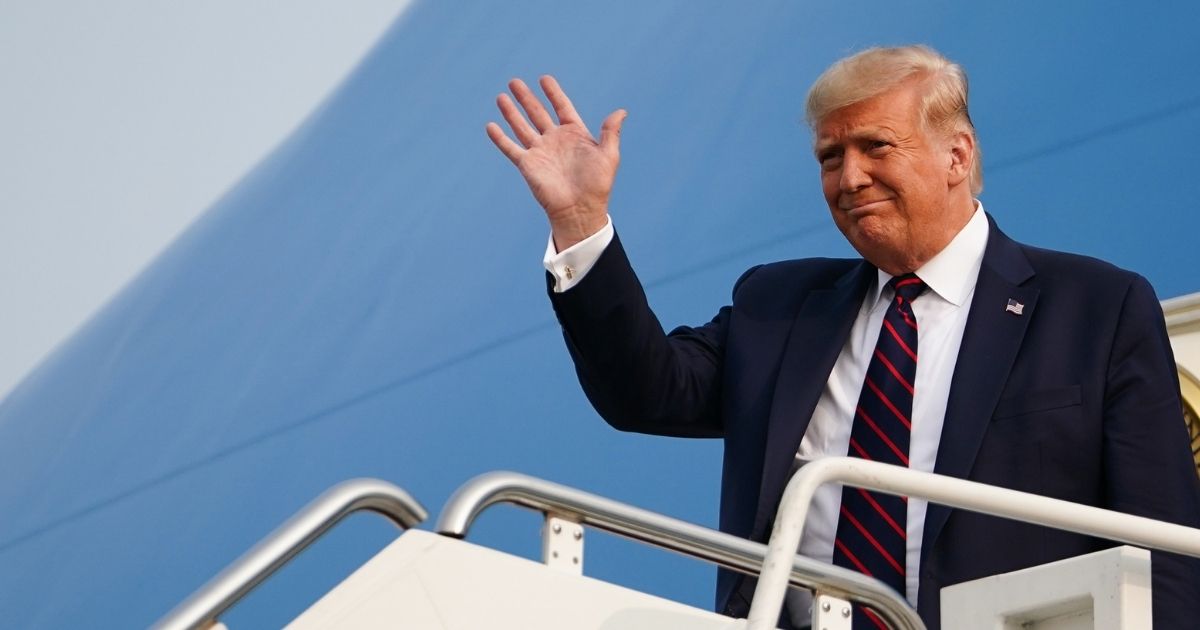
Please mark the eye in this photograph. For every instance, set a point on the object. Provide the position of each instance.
(830, 160)
(831, 163)
(876, 146)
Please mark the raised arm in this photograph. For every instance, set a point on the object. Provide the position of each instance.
(569, 172)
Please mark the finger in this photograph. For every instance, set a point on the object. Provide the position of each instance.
(610, 133)
(533, 107)
(562, 105)
(520, 127)
(510, 149)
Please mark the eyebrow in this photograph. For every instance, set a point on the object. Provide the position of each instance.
(861, 133)
(823, 151)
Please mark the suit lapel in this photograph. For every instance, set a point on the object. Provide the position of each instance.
(990, 343)
(816, 338)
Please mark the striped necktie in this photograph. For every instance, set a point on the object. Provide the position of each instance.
(871, 532)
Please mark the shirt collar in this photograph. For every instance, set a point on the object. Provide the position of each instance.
(952, 272)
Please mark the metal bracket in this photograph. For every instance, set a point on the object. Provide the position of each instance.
(562, 545)
(830, 613)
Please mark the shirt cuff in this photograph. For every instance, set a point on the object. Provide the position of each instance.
(571, 264)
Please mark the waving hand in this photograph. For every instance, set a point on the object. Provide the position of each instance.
(569, 172)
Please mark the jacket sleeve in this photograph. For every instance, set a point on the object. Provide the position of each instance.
(636, 376)
(1148, 464)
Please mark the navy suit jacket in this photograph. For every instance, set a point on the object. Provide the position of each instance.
(1076, 398)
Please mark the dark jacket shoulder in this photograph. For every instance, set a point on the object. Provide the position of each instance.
(792, 277)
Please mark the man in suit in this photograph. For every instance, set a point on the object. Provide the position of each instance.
(1040, 371)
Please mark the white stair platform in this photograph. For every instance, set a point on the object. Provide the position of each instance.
(429, 581)
(1106, 590)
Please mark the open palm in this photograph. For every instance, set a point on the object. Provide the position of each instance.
(569, 172)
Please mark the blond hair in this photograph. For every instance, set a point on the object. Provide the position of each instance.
(872, 72)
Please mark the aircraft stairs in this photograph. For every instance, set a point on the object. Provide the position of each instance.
(438, 580)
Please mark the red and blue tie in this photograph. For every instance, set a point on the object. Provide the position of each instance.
(871, 532)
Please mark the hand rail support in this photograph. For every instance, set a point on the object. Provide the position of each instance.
(652, 528)
(950, 491)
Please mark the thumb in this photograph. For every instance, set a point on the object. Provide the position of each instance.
(610, 132)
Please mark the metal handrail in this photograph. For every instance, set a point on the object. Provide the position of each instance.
(949, 491)
(202, 608)
(652, 528)
(1181, 311)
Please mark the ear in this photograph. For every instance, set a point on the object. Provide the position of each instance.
(962, 157)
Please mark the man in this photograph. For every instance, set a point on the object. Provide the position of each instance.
(1039, 371)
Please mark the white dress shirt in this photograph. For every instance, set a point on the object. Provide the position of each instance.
(941, 314)
(572, 264)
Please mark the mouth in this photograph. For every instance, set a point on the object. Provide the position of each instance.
(855, 208)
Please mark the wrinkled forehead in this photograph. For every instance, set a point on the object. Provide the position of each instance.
(844, 128)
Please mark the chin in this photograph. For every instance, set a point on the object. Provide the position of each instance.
(873, 230)
(877, 246)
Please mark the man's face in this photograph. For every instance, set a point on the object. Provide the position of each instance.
(888, 180)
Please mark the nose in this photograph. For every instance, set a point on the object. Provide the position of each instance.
(854, 173)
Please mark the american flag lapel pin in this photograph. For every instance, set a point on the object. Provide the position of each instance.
(1014, 307)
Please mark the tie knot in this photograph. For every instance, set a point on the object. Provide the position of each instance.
(907, 286)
